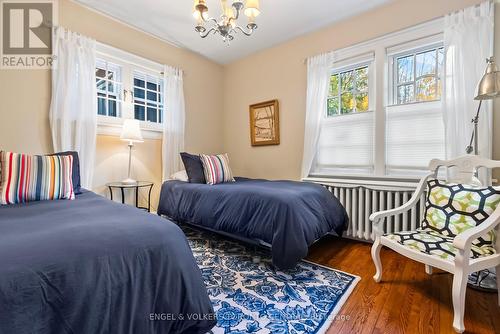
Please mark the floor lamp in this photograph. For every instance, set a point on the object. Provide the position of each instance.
(488, 88)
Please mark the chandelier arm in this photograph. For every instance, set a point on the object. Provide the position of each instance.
(208, 32)
(247, 33)
(210, 19)
(237, 16)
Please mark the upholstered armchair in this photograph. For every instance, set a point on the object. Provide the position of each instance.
(459, 231)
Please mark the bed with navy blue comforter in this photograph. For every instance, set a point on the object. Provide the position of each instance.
(95, 266)
(288, 215)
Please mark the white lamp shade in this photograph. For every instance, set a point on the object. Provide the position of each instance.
(131, 131)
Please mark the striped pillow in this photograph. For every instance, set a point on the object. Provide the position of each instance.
(216, 168)
(28, 178)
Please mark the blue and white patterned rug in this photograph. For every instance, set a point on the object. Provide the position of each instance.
(250, 297)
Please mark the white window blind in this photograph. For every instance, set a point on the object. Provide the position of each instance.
(346, 144)
(414, 136)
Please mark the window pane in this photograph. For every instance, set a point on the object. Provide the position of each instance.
(139, 93)
(152, 96)
(100, 73)
(100, 84)
(160, 114)
(101, 106)
(426, 63)
(111, 75)
(139, 112)
(111, 87)
(426, 89)
(405, 94)
(333, 106)
(347, 103)
(334, 85)
(362, 79)
(152, 86)
(138, 82)
(347, 81)
(152, 112)
(439, 88)
(112, 109)
(405, 69)
(362, 102)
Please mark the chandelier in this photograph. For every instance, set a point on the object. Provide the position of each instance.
(226, 25)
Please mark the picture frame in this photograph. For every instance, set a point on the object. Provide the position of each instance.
(264, 123)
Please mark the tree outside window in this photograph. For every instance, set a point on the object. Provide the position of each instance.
(348, 92)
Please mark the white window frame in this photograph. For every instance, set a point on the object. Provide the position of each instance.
(119, 94)
(159, 104)
(109, 125)
(435, 43)
(349, 65)
(384, 48)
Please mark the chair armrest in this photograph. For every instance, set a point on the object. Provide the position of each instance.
(378, 216)
(464, 240)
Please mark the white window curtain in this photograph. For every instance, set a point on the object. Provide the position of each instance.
(173, 121)
(73, 109)
(468, 40)
(318, 80)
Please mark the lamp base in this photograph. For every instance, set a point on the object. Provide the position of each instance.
(484, 280)
(129, 181)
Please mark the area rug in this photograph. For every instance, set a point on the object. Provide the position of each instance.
(250, 296)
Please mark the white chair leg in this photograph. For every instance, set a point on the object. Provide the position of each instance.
(458, 292)
(377, 246)
(428, 269)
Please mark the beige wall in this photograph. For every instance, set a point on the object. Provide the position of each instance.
(25, 99)
(280, 73)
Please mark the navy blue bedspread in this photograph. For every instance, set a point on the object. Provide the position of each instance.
(286, 214)
(95, 266)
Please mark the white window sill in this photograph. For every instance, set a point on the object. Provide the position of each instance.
(112, 126)
(396, 182)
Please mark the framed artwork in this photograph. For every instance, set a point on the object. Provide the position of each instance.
(265, 123)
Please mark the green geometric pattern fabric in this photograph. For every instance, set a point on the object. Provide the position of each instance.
(435, 244)
(450, 210)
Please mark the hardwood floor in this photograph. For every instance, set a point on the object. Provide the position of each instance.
(406, 301)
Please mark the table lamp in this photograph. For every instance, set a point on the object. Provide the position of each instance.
(131, 132)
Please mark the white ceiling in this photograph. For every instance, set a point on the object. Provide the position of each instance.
(280, 20)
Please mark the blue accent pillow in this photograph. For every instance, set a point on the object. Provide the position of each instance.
(194, 168)
(76, 170)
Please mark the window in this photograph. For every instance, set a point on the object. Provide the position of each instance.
(346, 139)
(348, 92)
(128, 87)
(383, 114)
(415, 131)
(417, 76)
(109, 88)
(148, 98)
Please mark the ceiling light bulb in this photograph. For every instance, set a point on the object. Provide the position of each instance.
(252, 8)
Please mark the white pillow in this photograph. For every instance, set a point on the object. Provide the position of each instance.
(180, 176)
